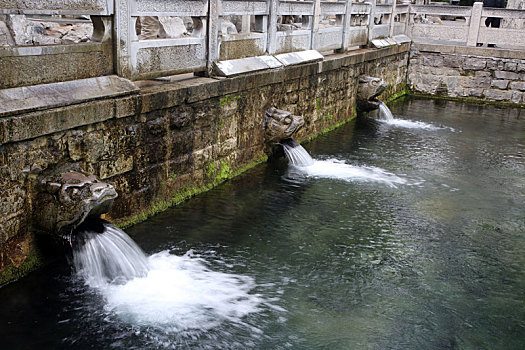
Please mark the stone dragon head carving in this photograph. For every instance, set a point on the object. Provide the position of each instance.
(368, 90)
(65, 200)
(279, 125)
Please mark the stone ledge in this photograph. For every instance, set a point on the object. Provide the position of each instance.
(471, 51)
(37, 97)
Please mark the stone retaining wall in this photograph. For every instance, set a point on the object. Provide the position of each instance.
(471, 72)
(168, 141)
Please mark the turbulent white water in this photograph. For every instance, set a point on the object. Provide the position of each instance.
(303, 165)
(386, 116)
(109, 257)
(176, 293)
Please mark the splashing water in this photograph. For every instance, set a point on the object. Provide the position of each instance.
(386, 116)
(297, 155)
(175, 293)
(108, 257)
(303, 165)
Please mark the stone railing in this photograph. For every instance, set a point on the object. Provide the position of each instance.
(263, 27)
(425, 24)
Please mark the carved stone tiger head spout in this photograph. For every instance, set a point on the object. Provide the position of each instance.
(280, 124)
(65, 199)
(368, 90)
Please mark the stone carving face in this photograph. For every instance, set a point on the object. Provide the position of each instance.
(66, 200)
(369, 88)
(279, 124)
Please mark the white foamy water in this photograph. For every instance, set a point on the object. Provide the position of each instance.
(181, 293)
(386, 116)
(339, 170)
(176, 293)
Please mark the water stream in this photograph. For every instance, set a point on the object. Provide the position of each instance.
(393, 238)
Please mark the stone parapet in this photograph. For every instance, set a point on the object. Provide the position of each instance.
(468, 72)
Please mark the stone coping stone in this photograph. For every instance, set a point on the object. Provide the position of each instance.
(380, 43)
(36, 97)
(471, 51)
(401, 39)
(230, 68)
(293, 58)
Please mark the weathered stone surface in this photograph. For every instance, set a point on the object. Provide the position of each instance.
(452, 61)
(433, 60)
(33, 65)
(511, 66)
(517, 85)
(518, 97)
(498, 95)
(25, 99)
(78, 6)
(506, 75)
(495, 64)
(500, 84)
(495, 78)
(474, 64)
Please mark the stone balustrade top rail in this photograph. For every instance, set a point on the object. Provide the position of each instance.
(230, 29)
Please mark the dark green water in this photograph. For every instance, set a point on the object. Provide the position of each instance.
(434, 262)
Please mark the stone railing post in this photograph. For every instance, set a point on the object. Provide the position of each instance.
(215, 7)
(315, 23)
(393, 19)
(123, 37)
(475, 21)
(346, 24)
(272, 27)
(371, 18)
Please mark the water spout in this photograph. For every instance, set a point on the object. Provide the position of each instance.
(103, 254)
(296, 154)
(384, 112)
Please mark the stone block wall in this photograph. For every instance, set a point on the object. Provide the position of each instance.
(169, 141)
(468, 72)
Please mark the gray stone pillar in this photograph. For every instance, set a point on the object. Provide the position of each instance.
(346, 24)
(475, 21)
(213, 33)
(272, 27)
(123, 31)
(315, 23)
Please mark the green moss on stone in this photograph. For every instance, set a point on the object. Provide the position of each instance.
(226, 100)
(12, 273)
(224, 173)
(471, 100)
